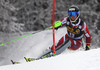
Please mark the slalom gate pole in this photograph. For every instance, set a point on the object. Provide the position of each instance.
(53, 18)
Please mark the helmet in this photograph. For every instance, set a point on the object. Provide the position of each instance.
(74, 10)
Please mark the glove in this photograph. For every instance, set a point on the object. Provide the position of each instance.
(57, 24)
(87, 48)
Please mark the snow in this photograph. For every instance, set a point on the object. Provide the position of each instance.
(82, 60)
(68, 60)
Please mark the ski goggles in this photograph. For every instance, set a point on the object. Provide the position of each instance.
(74, 13)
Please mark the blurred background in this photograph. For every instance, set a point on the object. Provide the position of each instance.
(18, 16)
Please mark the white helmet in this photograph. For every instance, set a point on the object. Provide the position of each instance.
(74, 10)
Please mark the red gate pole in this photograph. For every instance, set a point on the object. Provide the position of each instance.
(53, 20)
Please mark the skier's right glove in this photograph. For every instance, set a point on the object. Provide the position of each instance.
(87, 48)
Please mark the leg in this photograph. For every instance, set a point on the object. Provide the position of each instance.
(61, 41)
(75, 44)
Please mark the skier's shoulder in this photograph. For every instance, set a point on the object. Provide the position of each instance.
(65, 19)
(82, 22)
(68, 19)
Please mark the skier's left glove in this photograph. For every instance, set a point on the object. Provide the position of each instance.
(57, 24)
(87, 48)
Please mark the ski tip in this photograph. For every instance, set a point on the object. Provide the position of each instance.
(12, 61)
(24, 57)
(27, 59)
(30, 59)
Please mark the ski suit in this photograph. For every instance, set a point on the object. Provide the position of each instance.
(75, 33)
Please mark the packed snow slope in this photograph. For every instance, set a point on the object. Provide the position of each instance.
(82, 60)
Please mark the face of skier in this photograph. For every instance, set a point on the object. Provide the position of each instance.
(72, 15)
(73, 18)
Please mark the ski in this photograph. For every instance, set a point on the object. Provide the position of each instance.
(48, 54)
(59, 50)
(42, 57)
(13, 62)
(30, 59)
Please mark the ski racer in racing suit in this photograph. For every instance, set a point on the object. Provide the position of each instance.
(76, 29)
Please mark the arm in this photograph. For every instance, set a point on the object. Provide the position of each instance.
(87, 35)
(60, 23)
(63, 21)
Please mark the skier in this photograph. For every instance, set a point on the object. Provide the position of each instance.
(76, 29)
